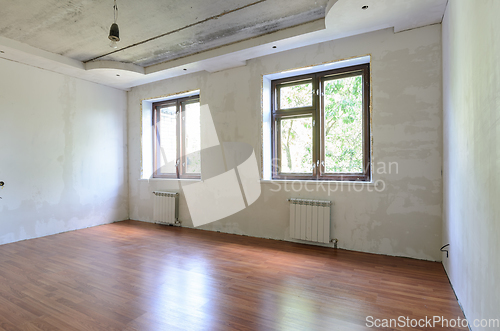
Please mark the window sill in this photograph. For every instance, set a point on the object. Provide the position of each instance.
(306, 181)
(170, 179)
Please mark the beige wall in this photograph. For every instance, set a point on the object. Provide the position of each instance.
(404, 219)
(471, 81)
(62, 153)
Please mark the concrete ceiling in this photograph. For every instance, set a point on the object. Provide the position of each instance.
(163, 39)
(79, 29)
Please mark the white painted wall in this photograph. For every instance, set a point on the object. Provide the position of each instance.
(406, 218)
(62, 153)
(471, 85)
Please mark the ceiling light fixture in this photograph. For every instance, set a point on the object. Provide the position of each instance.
(114, 32)
(364, 7)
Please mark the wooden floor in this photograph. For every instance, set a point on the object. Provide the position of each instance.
(139, 276)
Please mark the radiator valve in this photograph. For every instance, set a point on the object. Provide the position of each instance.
(334, 241)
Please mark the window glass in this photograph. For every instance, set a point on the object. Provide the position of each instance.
(296, 145)
(167, 155)
(193, 137)
(344, 125)
(295, 96)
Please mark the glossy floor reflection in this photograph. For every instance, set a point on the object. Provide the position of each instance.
(139, 276)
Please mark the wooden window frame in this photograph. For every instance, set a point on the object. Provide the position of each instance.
(181, 157)
(316, 111)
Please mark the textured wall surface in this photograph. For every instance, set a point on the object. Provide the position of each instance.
(62, 153)
(405, 218)
(471, 85)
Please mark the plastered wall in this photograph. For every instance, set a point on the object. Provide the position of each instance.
(62, 153)
(471, 85)
(405, 218)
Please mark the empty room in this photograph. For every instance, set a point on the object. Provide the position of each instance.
(249, 165)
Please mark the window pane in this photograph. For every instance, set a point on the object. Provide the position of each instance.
(167, 154)
(296, 145)
(193, 137)
(295, 96)
(344, 125)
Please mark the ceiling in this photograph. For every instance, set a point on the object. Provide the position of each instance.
(162, 39)
(79, 29)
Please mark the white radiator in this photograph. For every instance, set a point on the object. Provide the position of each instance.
(310, 220)
(165, 207)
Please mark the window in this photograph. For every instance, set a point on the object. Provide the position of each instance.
(177, 138)
(321, 125)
